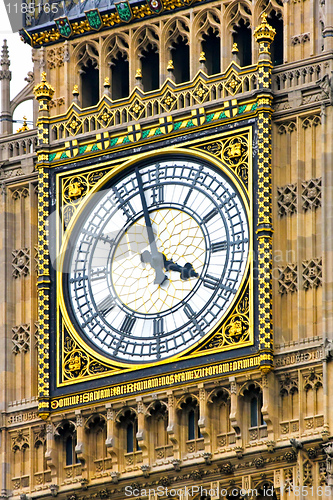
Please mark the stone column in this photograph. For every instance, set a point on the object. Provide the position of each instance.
(111, 440)
(172, 429)
(43, 93)
(5, 77)
(203, 419)
(264, 35)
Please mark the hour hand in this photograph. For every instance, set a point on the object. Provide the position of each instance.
(186, 272)
(156, 260)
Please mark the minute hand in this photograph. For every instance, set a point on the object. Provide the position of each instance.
(157, 257)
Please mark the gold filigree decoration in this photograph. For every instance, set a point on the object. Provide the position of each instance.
(136, 109)
(74, 125)
(74, 189)
(234, 152)
(233, 84)
(77, 363)
(236, 330)
(200, 92)
(169, 101)
(105, 117)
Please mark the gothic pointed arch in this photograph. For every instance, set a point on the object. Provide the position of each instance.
(207, 30)
(239, 21)
(95, 421)
(274, 11)
(116, 50)
(156, 407)
(127, 412)
(187, 400)
(65, 432)
(219, 403)
(177, 43)
(95, 427)
(147, 49)
(87, 65)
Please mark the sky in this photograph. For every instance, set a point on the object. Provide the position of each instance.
(21, 63)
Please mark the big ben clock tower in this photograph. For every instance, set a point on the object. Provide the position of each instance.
(179, 350)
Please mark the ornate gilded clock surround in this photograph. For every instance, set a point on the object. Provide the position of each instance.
(258, 113)
(68, 372)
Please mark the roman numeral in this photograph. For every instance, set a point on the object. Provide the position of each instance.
(189, 311)
(210, 215)
(128, 324)
(187, 197)
(158, 194)
(158, 326)
(210, 281)
(125, 206)
(106, 305)
(98, 273)
(219, 246)
(78, 278)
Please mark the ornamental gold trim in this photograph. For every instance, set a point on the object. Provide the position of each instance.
(236, 329)
(74, 189)
(171, 379)
(78, 364)
(72, 186)
(233, 151)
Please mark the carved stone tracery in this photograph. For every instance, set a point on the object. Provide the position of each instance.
(40, 436)
(208, 20)
(239, 11)
(95, 422)
(312, 380)
(311, 121)
(55, 57)
(312, 273)
(21, 338)
(287, 127)
(117, 46)
(146, 38)
(177, 28)
(21, 262)
(20, 441)
(311, 194)
(288, 279)
(158, 409)
(302, 38)
(87, 52)
(288, 384)
(287, 199)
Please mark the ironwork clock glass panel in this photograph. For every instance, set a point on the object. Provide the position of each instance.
(157, 259)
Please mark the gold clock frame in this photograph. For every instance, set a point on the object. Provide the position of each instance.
(240, 315)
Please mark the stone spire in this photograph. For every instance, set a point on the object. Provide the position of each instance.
(5, 77)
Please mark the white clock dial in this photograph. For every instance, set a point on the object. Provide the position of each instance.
(158, 260)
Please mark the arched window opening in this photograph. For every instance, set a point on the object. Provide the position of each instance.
(89, 84)
(69, 450)
(243, 37)
(212, 49)
(67, 433)
(254, 412)
(191, 425)
(276, 22)
(119, 77)
(180, 54)
(150, 69)
(130, 438)
(157, 414)
(190, 410)
(256, 426)
(129, 423)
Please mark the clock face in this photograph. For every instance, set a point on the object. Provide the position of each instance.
(156, 259)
